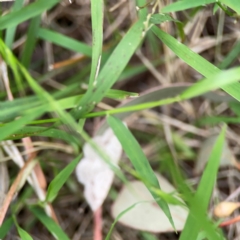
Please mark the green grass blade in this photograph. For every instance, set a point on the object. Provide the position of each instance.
(29, 45)
(52, 227)
(218, 80)
(97, 38)
(185, 4)
(234, 4)
(118, 217)
(139, 161)
(23, 234)
(161, 18)
(60, 179)
(10, 32)
(64, 41)
(6, 226)
(231, 56)
(112, 69)
(12, 127)
(235, 108)
(202, 196)
(195, 61)
(213, 120)
(29, 131)
(30, 11)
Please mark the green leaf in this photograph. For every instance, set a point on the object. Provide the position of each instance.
(119, 216)
(32, 10)
(202, 197)
(97, 39)
(10, 32)
(139, 161)
(219, 80)
(111, 70)
(51, 132)
(161, 18)
(64, 41)
(12, 127)
(30, 43)
(195, 61)
(60, 179)
(231, 56)
(185, 4)
(234, 4)
(119, 94)
(52, 227)
(6, 226)
(23, 234)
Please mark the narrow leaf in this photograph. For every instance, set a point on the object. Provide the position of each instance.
(112, 69)
(32, 10)
(52, 227)
(202, 197)
(139, 161)
(97, 38)
(185, 4)
(57, 183)
(23, 234)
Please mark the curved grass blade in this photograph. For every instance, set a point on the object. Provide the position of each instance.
(6, 226)
(60, 179)
(52, 227)
(139, 161)
(30, 11)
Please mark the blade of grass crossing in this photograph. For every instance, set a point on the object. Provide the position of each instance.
(52, 227)
(97, 38)
(202, 196)
(139, 161)
(195, 61)
(111, 70)
(64, 116)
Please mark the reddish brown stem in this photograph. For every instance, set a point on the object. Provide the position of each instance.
(98, 224)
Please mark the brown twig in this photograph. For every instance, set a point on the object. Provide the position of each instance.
(14, 188)
(230, 221)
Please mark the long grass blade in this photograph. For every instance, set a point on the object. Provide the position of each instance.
(139, 161)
